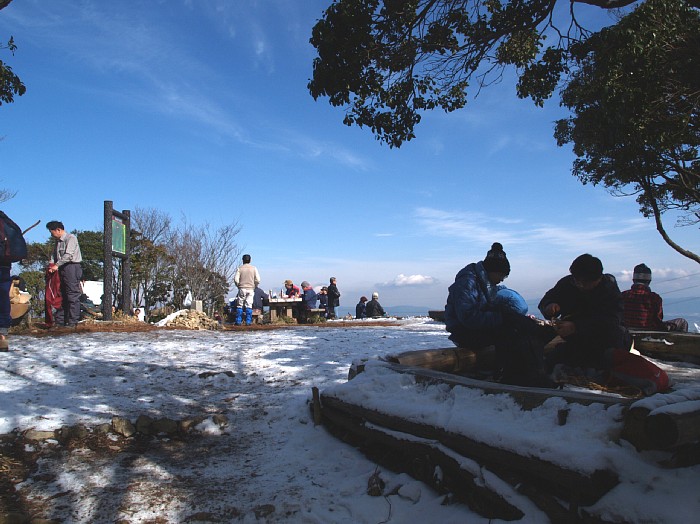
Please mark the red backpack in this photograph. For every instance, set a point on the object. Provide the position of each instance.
(634, 370)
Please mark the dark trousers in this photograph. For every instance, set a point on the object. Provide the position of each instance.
(70, 274)
(5, 284)
(519, 344)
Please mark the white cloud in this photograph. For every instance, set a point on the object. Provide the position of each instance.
(402, 280)
(660, 275)
(602, 233)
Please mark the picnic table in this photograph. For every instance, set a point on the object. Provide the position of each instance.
(282, 307)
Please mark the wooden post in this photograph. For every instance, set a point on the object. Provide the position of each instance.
(108, 268)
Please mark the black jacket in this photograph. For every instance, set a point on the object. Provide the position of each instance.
(597, 313)
(374, 309)
(333, 296)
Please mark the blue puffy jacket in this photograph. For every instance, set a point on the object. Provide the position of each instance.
(471, 301)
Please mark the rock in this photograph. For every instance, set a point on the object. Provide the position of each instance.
(220, 420)
(187, 424)
(123, 426)
(32, 434)
(103, 428)
(144, 424)
(72, 432)
(164, 425)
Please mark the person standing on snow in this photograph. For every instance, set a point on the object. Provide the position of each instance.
(246, 280)
(66, 259)
(333, 298)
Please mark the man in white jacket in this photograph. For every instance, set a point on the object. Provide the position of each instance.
(246, 279)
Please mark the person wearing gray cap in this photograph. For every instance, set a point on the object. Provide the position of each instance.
(374, 309)
(643, 309)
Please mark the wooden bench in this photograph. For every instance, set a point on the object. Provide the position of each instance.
(308, 314)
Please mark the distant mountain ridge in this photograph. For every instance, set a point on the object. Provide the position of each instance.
(395, 311)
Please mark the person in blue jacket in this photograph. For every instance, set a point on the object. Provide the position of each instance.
(477, 316)
(309, 300)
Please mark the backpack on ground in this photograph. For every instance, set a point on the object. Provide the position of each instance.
(635, 370)
(13, 247)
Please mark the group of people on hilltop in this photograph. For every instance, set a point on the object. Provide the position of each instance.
(585, 308)
(328, 298)
(251, 297)
(371, 309)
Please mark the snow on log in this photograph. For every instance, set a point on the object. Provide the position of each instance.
(573, 486)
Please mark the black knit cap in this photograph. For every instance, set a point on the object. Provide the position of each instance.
(496, 260)
(642, 274)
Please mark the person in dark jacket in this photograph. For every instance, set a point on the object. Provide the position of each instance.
(323, 300)
(586, 309)
(374, 308)
(333, 298)
(476, 318)
(361, 308)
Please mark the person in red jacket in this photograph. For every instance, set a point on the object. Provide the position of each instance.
(643, 308)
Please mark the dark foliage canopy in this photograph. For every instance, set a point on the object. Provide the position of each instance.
(633, 88)
(386, 61)
(635, 104)
(10, 84)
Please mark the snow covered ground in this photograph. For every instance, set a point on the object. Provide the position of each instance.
(269, 463)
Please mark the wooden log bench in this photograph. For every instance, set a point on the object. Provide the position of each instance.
(309, 314)
(668, 345)
(417, 449)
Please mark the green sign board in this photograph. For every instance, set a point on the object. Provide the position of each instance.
(118, 236)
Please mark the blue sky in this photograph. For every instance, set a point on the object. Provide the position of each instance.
(200, 109)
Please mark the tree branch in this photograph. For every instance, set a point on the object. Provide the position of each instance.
(662, 231)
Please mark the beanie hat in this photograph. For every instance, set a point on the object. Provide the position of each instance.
(642, 274)
(375, 295)
(496, 260)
